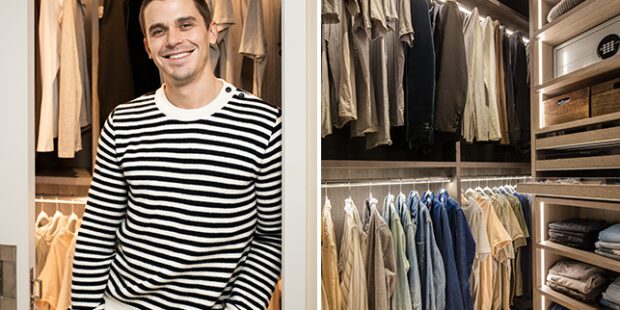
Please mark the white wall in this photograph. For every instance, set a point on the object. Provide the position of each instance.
(300, 151)
(17, 137)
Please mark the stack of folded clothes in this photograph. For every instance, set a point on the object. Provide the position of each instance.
(576, 233)
(609, 242)
(611, 296)
(577, 280)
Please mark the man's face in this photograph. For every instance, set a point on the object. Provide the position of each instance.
(177, 39)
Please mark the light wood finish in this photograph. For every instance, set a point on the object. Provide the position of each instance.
(567, 107)
(599, 137)
(377, 164)
(585, 16)
(605, 97)
(583, 77)
(501, 12)
(588, 204)
(578, 191)
(581, 255)
(564, 300)
(73, 177)
(581, 123)
(580, 163)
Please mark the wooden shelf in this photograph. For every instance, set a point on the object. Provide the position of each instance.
(494, 165)
(580, 123)
(579, 163)
(600, 205)
(72, 177)
(384, 164)
(592, 74)
(564, 300)
(588, 139)
(583, 17)
(581, 255)
(578, 191)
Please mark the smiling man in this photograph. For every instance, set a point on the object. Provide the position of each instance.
(184, 210)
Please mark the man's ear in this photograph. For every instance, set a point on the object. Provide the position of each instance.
(213, 32)
(147, 48)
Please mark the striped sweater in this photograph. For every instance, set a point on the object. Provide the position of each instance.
(184, 209)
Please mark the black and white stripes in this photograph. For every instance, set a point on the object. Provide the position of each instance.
(184, 211)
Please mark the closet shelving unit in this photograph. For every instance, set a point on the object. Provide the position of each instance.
(586, 148)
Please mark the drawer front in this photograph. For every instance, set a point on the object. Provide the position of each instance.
(566, 108)
(606, 97)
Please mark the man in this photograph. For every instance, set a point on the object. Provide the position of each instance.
(184, 210)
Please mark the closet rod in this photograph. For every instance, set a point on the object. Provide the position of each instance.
(467, 11)
(381, 182)
(495, 178)
(61, 201)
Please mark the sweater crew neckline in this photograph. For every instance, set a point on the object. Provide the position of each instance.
(172, 111)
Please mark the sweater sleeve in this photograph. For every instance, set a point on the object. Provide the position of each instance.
(105, 210)
(259, 273)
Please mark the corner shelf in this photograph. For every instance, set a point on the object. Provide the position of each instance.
(578, 20)
(583, 77)
(578, 191)
(581, 255)
(564, 300)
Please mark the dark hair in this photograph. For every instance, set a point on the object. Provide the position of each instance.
(201, 6)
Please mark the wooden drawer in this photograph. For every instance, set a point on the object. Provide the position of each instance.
(606, 97)
(567, 107)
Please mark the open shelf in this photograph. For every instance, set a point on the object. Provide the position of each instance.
(581, 123)
(578, 191)
(583, 77)
(581, 255)
(384, 164)
(578, 20)
(564, 300)
(579, 163)
(588, 139)
(600, 205)
(79, 177)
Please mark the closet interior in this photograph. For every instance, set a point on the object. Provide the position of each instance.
(90, 57)
(575, 108)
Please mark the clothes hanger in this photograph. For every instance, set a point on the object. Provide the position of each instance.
(42, 217)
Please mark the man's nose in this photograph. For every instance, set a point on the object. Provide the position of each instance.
(173, 37)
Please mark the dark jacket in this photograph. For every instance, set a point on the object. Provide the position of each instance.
(451, 89)
(420, 78)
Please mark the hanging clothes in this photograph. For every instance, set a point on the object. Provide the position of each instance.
(490, 79)
(475, 124)
(452, 79)
(520, 132)
(464, 245)
(329, 259)
(420, 78)
(430, 262)
(379, 258)
(351, 266)
(443, 236)
(409, 227)
(116, 83)
(402, 297)
(478, 226)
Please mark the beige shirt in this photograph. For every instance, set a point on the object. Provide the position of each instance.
(476, 112)
(351, 267)
(490, 79)
(501, 248)
(329, 260)
(478, 226)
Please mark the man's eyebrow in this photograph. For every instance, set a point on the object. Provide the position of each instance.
(157, 25)
(181, 20)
